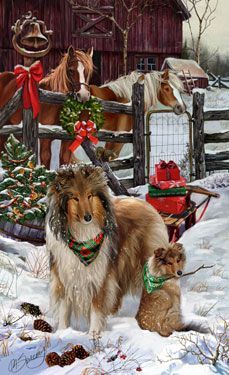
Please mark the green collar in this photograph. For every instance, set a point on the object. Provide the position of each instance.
(87, 251)
(151, 282)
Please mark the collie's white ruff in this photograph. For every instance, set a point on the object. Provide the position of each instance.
(80, 291)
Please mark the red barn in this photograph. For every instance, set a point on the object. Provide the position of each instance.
(153, 37)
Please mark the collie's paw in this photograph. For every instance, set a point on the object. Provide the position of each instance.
(165, 333)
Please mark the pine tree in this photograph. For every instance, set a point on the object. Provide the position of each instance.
(24, 184)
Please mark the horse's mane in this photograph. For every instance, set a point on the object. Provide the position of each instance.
(122, 87)
(58, 80)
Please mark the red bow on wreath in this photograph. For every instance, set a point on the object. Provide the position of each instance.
(28, 78)
(83, 129)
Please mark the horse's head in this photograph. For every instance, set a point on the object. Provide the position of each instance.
(79, 69)
(170, 93)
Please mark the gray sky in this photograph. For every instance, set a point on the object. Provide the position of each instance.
(217, 36)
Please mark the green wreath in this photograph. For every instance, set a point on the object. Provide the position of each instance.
(72, 110)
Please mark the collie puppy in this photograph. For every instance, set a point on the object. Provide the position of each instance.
(98, 245)
(159, 308)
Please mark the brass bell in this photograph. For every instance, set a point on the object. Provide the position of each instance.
(34, 38)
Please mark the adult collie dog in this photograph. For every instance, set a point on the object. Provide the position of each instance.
(98, 245)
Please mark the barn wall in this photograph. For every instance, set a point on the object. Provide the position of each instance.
(56, 14)
(159, 35)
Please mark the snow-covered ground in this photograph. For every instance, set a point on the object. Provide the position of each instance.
(204, 299)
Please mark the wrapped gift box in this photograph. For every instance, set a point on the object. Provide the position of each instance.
(167, 184)
(167, 171)
(170, 205)
(155, 192)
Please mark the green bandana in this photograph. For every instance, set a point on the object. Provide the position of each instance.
(86, 251)
(151, 282)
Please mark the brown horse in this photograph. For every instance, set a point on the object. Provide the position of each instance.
(162, 88)
(72, 75)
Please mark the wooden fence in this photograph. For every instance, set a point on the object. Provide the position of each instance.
(208, 162)
(31, 132)
(218, 81)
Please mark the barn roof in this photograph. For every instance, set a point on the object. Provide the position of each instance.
(186, 65)
(183, 9)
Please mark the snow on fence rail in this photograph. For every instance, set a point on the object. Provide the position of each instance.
(208, 162)
(31, 132)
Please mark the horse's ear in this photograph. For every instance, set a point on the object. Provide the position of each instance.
(90, 51)
(71, 52)
(165, 75)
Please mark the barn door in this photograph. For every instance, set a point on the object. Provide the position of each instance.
(96, 77)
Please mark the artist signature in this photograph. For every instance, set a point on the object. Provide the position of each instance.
(31, 362)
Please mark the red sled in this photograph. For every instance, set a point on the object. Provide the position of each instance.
(169, 205)
(167, 184)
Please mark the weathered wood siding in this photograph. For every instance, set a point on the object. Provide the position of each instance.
(159, 35)
(57, 16)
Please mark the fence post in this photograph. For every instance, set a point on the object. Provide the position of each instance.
(30, 132)
(138, 134)
(198, 124)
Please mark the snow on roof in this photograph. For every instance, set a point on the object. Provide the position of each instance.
(186, 65)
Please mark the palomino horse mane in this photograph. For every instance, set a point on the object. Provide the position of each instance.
(122, 87)
(58, 79)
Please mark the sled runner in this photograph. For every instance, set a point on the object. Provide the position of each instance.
(178, 223)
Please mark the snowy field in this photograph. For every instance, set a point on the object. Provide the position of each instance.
(24, 278)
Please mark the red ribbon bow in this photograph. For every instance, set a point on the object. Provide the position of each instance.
(29, 78)
(171, 164)
(83, 129)
(162, 164)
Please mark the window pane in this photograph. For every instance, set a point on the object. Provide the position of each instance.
(141, 64)
(151, 63)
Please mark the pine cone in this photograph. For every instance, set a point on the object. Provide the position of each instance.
(30, 308)
(80, 352)
(52, 359)
(42, 325)
(67, 358)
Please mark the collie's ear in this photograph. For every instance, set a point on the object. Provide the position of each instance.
(62, 178)
(179, 247)
(159, 252)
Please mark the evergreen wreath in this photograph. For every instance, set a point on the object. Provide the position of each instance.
(73, 109)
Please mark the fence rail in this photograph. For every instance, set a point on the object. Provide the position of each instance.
(31, 131)
(218, 81)
(208, 162)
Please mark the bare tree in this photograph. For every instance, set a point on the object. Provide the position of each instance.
(132, 10)
(206, 350)
(204, 13)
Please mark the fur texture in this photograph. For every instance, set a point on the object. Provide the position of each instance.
(160, 311)
(134, 230)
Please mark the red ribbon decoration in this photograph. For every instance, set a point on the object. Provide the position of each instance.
(162, 164)
(28, 78)
(171, 164)
(83, 129)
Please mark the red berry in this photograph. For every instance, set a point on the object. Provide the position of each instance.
(139, 369)
(123, 356)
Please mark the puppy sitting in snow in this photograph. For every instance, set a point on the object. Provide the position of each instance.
(159, 308)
